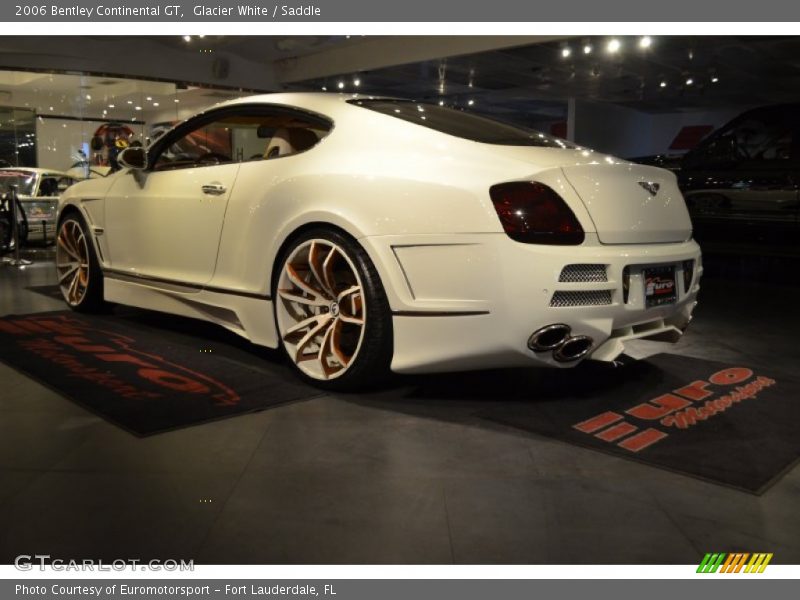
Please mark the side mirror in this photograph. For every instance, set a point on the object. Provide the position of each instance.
(133, 157)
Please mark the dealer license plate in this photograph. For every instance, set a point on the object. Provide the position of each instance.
(659, 286)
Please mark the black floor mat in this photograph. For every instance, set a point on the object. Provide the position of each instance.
(148, 372)
(720, 422)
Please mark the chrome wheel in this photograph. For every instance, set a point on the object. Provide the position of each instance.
(320, 309)
(72, 261)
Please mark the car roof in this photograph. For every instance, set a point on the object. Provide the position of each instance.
(326, 103)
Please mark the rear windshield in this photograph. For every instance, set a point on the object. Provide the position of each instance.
(462, 124)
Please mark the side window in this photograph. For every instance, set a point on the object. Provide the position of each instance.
(64, 183)
(48, 187)
(252, 134)
(763, 140)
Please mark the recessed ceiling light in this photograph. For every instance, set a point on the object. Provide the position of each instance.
(613, 46)
(714, 79)
(470, 101)
(138, 108)
(441, 102)
(130, 101)
(149, 98)
(176, 100)
(663, 84)
(88, 96)
(340, 85)
(187, 38)
(645, 42)
(110, 106)
(566, 51)
(155, 103)
(689, 81)
(356, 82)
(587, 49)
(324, 88)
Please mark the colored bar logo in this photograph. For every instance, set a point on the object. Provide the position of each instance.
(735, 562)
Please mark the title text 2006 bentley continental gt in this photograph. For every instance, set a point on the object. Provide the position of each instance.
(367, 234)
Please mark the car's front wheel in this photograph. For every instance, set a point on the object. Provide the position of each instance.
(331, 312)
(79, 277)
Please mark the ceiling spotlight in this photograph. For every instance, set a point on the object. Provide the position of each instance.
(587, 49)
(187, 38)
(356, 82)
(663, 84)
(714, 79)
(645, 42)
(340, 85)
(566, 51)
(689, 81)
(613, 46)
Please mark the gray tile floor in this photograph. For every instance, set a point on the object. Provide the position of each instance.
(378, 478)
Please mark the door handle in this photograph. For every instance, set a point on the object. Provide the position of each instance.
(213, 189)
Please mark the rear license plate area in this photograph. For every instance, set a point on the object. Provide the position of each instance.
(659, 286)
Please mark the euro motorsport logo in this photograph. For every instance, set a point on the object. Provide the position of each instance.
(734, 563)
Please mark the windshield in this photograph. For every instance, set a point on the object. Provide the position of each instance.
(24, 180)
(462, 124)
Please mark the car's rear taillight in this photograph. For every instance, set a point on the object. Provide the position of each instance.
(533, 213)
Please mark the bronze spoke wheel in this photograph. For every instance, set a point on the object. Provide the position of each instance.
(79, 276)
(331, 312)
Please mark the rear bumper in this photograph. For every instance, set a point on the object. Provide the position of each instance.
(467, 302)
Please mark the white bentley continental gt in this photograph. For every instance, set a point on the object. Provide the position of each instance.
(367, 234)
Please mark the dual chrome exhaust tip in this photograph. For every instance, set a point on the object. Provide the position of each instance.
(558, 339)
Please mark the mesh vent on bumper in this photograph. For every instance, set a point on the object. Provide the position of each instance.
(581, 298)
(583, 273)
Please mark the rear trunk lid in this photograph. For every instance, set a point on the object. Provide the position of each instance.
(630, 203)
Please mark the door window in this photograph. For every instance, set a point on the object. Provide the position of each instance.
(257, 133)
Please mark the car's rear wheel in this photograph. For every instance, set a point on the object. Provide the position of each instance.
(79, 277)
(331, 312)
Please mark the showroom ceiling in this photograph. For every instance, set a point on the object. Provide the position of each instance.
(659, 74)
(509, 76)
(104, 97)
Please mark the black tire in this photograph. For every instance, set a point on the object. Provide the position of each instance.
(91, 301)
(370, 365)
